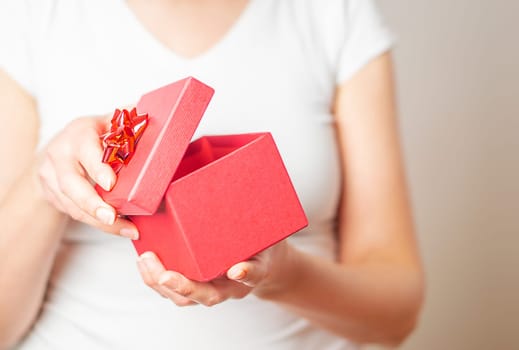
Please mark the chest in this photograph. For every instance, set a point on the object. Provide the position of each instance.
(259, 73)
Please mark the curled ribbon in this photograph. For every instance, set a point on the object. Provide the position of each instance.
(125, 131)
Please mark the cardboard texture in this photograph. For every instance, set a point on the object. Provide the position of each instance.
(230, 198)
(222, 199)
(175, 111)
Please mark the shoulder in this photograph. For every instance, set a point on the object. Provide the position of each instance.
(325, 14)
(316, 15)
(332, 22)
(335, 16)
(345, 34)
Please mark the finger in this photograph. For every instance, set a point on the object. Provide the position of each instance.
(50, 185)
(250, 273)
(51, 198)
(151, 268)
(61, 201)
(233, 289)
(147, 278)
(121, 227)
(204, 293)
(90, 157)
(200, 292)
(178, 299)
(153, 264)
(81, 192)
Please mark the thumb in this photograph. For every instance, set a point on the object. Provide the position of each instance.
(250, 273)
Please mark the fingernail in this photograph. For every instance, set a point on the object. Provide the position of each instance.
(129, 233)
(236, 273)
(105, 215)
(105, 181)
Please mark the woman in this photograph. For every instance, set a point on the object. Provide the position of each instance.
(316, 74)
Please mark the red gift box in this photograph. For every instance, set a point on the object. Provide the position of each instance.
(226, 198)
(230, 198)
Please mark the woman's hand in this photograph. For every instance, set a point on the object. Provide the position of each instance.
(266, 272)
(69, 166)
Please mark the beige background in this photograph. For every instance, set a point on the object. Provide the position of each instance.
(458, 79)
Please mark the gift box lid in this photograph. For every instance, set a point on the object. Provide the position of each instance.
(174, 112)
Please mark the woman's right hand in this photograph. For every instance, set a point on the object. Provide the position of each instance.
(70, 165)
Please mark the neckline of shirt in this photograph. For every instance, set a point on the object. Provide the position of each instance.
(141, 33)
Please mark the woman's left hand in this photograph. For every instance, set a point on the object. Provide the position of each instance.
(263, 273)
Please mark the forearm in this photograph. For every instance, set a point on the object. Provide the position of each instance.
(372, 302)
(29, 238)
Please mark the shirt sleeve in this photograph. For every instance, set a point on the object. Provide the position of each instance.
(15, 55)
(366, 37)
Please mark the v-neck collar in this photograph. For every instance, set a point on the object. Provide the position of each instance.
(142, 33)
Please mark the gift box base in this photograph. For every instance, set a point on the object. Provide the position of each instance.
(230, 198)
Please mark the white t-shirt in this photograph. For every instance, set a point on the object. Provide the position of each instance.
(275, 70)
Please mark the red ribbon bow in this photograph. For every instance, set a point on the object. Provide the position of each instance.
(119, 143)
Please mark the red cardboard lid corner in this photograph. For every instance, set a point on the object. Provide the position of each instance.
(174, 112)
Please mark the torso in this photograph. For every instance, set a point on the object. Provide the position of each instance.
(266, 78)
